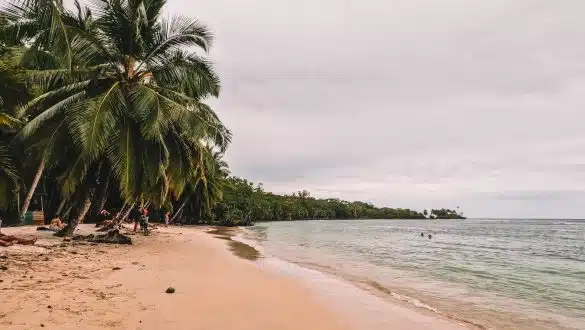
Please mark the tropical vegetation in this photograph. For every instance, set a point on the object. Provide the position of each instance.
(245, 202)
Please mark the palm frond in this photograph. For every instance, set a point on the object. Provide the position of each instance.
(185, 73)
(33, 125)
(179, 33)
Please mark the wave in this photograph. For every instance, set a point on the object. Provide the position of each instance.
(250, 238)
(380, 289)
(417, 303)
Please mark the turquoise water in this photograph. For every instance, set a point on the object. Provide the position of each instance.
(501, 274)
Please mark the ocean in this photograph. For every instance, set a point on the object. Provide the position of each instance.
(493, 274)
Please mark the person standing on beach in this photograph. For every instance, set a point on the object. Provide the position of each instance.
(167, 217)
(144, 220)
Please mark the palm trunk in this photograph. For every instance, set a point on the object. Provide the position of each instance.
(102, 194)
(32, 189)
(120, 213)
(66, 214)
(60, 208)
(127, 212)
(72, 225)
(179, 210)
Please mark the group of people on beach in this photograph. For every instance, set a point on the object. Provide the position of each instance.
(139, 215)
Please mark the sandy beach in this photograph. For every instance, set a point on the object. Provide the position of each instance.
(66, 285)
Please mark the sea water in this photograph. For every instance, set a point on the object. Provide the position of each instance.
(495, 274)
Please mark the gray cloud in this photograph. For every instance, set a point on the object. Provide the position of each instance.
(409, 103)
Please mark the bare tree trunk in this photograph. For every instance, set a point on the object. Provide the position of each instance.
(31, 190)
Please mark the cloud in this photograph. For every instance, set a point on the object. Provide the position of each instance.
(410, 103)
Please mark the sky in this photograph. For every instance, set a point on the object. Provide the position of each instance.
(406, 103)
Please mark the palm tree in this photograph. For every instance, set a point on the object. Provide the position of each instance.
(130, 82)
(13, 91)
(204, 189)
(8, 172)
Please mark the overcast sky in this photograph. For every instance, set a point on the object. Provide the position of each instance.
(406, 103)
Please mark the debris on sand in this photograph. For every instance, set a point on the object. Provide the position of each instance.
(111, 237)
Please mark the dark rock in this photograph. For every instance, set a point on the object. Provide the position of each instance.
(116, 268)
(81, 237)
(170, 290)
(112, 237)
(49, 307)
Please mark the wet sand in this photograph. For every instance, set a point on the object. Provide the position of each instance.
(65, 285)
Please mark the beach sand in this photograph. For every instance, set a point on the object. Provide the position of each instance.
(64, 285)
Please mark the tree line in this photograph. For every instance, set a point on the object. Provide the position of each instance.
(245, 202)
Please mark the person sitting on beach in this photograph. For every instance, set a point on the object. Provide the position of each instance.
(102, 216)
(107, 223)
(57, 224)
(8, 240)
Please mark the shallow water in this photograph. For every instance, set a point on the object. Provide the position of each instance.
(501, 274)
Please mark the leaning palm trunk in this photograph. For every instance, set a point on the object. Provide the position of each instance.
(127, 212)
(123, 214)
(32, 189)
(179, 210)
(120, 213)
(73, 222)
(102, 194)
(60, 208)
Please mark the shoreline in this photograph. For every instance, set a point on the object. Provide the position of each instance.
(68, 285)
(414, 314)
(383, 259)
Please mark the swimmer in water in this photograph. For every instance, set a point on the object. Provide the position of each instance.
(422, 234)
(430, 236)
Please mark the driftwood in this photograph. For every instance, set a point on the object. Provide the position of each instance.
(110, 225)
(111, 237)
